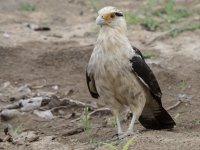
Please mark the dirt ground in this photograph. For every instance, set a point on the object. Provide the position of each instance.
(58, 58)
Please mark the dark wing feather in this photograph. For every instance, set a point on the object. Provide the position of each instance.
(154, 116)
(137, 51)
(91, 85)
(145, 74)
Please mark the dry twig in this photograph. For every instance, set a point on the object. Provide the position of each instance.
(175, 105)
(78, 103)
(99, 110)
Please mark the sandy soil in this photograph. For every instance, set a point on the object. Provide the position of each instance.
(58, 57)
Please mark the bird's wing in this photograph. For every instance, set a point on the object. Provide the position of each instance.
(154, 116)
(91, 85)
(137, 51)
(144, 73)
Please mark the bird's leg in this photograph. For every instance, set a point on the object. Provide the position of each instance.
(130, 128)
(119, 128)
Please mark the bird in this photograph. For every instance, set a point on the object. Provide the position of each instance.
(118, 75)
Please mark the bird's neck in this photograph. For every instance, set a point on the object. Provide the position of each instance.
(112, 38)
(110, 31)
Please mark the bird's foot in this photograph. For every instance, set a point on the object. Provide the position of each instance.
(123, 135)
(117, 136)
(126, 134)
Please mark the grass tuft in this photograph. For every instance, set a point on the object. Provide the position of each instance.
(113, 146)
(110, 146)
(26, 6)
(177, 116)
(154, 17)
(151, 4)
(85, 119)
(95, 4)
(186, 27)
(196, 122)
(146, 22)
(149, 24)
(149, 54)
(169, 7)
(18, 129)
(182, 85)
(129, 142)
(114, 122)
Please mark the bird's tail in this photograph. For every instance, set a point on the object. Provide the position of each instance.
(155, 117)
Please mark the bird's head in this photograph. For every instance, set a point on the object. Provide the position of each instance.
(111, 17)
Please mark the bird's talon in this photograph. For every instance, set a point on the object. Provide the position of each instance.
(129, 133)
(115, 135)
(122, 136)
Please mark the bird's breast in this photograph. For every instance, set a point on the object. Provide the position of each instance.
(109, 73)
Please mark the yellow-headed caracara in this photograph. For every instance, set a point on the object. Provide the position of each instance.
(119, 75)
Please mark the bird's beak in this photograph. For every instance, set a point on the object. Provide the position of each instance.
(100, 20)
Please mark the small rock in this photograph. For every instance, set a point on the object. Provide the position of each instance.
(8, 114)
(61, 112)
(47, 115)
(32, 103)
(14, 93)
(29, 136)
(12, 99)
(15, 105)
(25, 89)
(55, 87)
(55, 102)
(6, 84)
(184, 96)
(70, 92)
(36, 27)
(6, 35)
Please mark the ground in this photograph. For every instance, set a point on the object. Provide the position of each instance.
(58, 58)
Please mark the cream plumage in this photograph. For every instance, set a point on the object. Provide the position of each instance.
(118, 74)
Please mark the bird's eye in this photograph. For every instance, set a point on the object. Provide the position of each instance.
(112, 15)
(119, 14)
